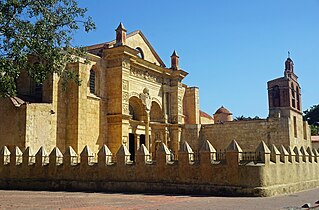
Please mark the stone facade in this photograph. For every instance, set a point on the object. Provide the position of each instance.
(129, 98)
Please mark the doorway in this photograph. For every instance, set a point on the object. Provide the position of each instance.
(131, 144)
(142, 139)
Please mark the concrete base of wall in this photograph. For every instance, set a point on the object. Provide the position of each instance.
(287, 188)
(160, 188)
(129, 187)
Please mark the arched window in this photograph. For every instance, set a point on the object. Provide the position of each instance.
(92, 81)
(293, 96)
(136, 108)
(156, 113)
(140, 52)
(276, 96)
(298, 98)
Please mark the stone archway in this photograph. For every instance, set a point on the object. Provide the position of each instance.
(156, 114)
(136, 108)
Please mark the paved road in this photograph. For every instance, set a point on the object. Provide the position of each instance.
(105, 201)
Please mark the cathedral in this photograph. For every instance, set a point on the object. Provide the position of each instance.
(128, 96)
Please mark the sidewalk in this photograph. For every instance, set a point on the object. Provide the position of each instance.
(100, 201)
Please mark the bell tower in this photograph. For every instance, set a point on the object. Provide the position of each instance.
(284, 97)
(284, 93)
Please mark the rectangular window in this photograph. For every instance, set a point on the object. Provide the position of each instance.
(295, 126)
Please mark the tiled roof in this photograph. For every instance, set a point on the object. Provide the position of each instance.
(315, 138)
(204, 114)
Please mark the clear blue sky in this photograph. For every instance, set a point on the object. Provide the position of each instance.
(229, 48)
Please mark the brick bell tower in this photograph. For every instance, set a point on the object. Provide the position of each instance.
(284, 94)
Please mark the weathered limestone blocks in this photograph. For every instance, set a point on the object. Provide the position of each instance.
(271, 171)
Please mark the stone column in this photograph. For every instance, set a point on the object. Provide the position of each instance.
(147, 130)
(166, 135)
(137, 141)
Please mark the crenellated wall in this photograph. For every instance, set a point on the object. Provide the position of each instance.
(265, 172)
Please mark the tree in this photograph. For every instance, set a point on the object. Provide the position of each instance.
(243, 118)
(41, 30)
(312, 116)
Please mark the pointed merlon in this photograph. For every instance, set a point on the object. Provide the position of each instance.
(123, 151)
(283, 150)
(309, 151)
(291, 151)
(163, 149)
(297, 151)
(274, 150)
(263, 148)
(56, 153)
(28, 152)
(186, 148)
(303, 151)
(104, 151)
(233, 147)
(207, 147)
(315, 152)
(42, 152)
(70, 152)
(87, 152)
(143, 150)
(5, 151)
(16, 151)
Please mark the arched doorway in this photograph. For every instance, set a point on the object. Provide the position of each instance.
(136, 137)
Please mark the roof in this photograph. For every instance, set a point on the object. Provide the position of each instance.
(97, 47)
(315, 138)
(204, 114)
(222, 110)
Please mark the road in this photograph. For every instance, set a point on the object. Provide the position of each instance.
(13, 199)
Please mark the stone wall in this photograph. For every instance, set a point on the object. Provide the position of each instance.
(40, 126)
(190, 134)
(191, 105)
(267, 173)
(248, 133)
(12, 124)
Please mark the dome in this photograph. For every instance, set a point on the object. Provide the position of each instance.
(222, 110)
